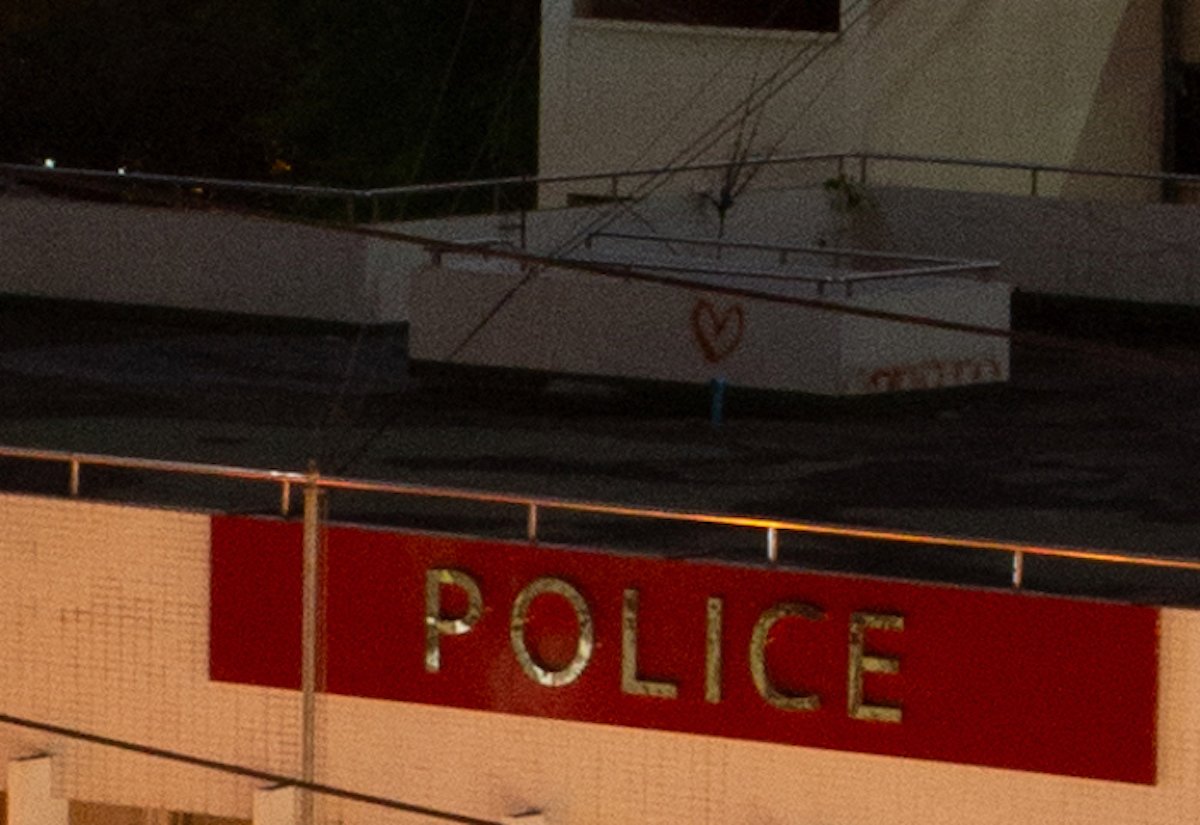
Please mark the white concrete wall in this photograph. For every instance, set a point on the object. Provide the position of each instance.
(1056, 82)
(106, 629)
(1121, 251)
(580, 323)
(194, 260)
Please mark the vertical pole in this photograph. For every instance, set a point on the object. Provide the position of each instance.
(308, 664)
(1018, 569)
(285, 498)
(531, 523)
(772, 545)
(73, 482)
(716, 403)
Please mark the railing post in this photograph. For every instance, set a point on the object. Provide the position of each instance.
(531, 523)
(308, 665)
(73, 482)
(772, 545)
(285, 497)
(1018, 569)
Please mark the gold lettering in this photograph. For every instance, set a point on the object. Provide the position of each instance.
(584, 644)
(437, 625)
(630, 682)
(758, 656)
(861, 663)
(712, 651)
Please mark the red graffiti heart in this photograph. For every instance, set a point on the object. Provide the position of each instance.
(718, 334)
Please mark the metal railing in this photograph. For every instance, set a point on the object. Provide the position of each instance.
(536, 506)
(916, 266)
(364, 204)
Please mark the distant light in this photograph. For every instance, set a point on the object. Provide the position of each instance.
(121, 170)
(48, 163)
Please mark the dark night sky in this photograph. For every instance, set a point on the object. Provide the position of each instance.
(364, 92)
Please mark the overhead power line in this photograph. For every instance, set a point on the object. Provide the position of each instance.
(751, 104)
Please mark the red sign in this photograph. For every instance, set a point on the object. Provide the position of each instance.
(850, 663)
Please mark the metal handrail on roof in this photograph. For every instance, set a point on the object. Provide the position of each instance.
(353, 197)
(936, 266)
(534, 505)
(783, 249)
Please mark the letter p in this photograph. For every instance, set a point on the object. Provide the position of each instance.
(437, 625)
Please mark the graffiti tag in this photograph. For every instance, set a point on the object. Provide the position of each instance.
(718, 333)
(932, 374)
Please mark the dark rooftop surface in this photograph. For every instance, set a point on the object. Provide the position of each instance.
(1096, 448)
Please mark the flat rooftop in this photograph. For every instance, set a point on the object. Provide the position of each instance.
(1096, 446)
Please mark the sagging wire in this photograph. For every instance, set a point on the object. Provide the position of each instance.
(750, 104)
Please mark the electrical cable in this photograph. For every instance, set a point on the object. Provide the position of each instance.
(241, 770)
(351, 366)
(758, 97)
(502, 103)
(696, 148)
(879, 13)
(419, 160)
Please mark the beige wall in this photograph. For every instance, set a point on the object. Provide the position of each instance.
(106, 629)
(1055, 82)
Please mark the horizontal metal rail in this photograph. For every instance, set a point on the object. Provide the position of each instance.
(826, 251)
(612, 178)
(848, 280)
(1026, 166)
(537, 506)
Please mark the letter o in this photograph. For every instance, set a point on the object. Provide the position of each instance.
(583, 647)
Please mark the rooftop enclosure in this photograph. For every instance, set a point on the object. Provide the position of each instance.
(1055, 82)
(658, 294)
(717, 289)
